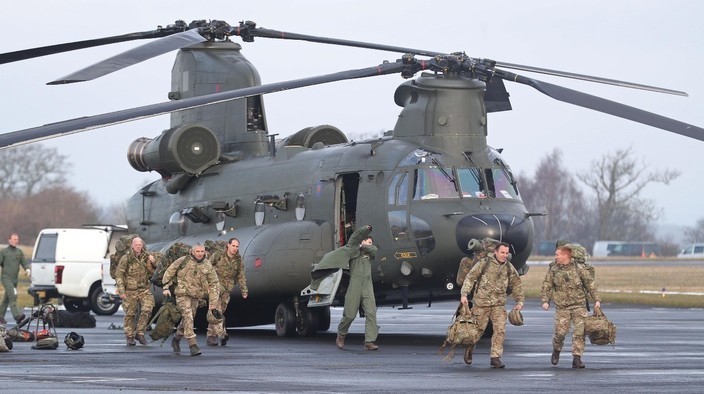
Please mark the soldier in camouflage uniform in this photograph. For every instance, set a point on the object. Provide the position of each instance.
(228, 266)
(568, 282)
(197, 281)
(495, 275)
(132, 278)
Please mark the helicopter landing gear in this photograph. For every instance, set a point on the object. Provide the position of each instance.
(307, 322)
(285, 320)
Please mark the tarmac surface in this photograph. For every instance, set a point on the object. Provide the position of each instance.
(657, 350)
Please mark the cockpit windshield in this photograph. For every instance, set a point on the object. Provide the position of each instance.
(434, 183)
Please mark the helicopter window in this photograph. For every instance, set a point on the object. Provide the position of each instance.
(423, 235)
(471, 182)
(499, 185)
(432, 183)
(399, 225)
(398, 190)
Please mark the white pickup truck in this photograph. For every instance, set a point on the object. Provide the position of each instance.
(67, 264)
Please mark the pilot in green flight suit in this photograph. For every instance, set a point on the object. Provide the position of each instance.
(360, 292)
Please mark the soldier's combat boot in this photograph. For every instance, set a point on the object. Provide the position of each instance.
(224, 339)
(130, 341)
(496, 363)
(340, 341)
(140, 338)
(212, 341)
(555, 357)
(195, 351)
(176, 344)
(370, 346)
(468, 355)
(193, 346)
(577, 362)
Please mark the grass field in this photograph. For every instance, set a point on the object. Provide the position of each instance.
(622, 284)
(617, 284)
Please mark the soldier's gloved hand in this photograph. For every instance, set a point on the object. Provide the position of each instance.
(166, 293)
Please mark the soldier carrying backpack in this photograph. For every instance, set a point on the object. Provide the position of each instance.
(568, 282)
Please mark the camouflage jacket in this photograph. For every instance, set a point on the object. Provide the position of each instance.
(568, 285)
(228, 269)
(133, 272)
(491, 290)
(196, 280)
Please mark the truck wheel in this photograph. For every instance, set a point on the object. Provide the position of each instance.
(100, 305)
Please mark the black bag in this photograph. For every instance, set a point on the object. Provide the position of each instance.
(75, 319)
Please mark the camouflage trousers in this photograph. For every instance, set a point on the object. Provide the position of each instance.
(137, 300)
(497, 314)
(218, 330)
(188, 307)
(563, 318)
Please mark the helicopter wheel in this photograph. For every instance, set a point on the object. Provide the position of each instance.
(307, 323)
(285, 320)
(323, 318)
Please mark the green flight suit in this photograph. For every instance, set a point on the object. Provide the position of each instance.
(11, 258)
(361, 292)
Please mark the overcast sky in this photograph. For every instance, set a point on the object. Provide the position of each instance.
(656, 43)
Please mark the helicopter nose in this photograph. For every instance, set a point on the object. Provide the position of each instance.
(512, 229)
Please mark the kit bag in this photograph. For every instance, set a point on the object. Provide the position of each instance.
(462, 332)
(599, 329)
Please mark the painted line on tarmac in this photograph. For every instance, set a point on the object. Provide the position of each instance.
(664, 293)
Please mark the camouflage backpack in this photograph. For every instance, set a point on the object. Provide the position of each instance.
(175, 251)
(166, 319)
(122, 246)
(479, 251)
(213, 247)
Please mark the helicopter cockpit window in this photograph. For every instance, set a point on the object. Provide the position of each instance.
(471, 182)
(499, 184)
(398, 190)
(432, 183)
(399, 225)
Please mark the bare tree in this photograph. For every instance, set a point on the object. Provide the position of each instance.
(54, 207)
(696, 233)
(553, 190)
(114, 214)
(28, 169)
(617, 180)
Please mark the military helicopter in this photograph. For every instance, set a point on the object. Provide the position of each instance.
(427, 187)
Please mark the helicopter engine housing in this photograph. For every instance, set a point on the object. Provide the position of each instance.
(186, 149)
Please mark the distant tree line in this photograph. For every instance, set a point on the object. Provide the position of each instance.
(602, 203)
(34, 194)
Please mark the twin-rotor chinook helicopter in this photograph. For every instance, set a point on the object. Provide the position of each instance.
(427, 187)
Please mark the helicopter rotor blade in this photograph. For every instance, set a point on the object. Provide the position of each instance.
(606, 106)
(77, 125)
(25, 54)
(248, 30)
(133, 56)
(590, 78)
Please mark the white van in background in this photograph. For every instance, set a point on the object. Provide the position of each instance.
(694, 251)
(67, 264)
(626, 249)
